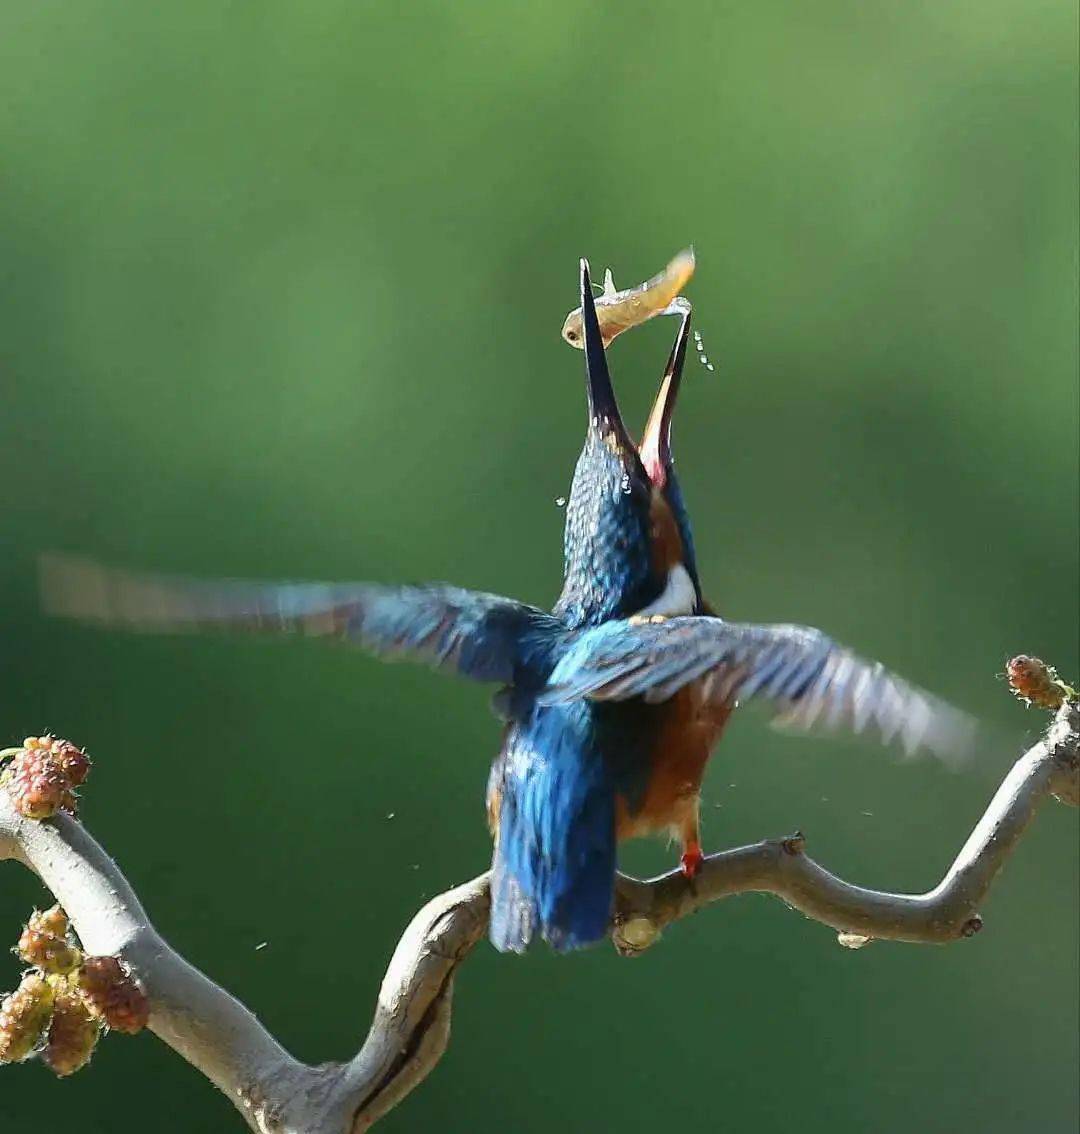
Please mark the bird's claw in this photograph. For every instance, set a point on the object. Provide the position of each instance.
(691, 861)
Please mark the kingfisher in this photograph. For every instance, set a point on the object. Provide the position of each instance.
(611, 703)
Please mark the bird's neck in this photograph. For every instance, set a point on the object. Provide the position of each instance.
(608, 568)
(624, 547)
(679, 594)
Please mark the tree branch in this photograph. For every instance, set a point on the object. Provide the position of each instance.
(779, 866)
(278, 1094)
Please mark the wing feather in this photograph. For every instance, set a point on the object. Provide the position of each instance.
(806, 678)
(482, 636)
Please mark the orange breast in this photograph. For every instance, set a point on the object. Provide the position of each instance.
(689, 732)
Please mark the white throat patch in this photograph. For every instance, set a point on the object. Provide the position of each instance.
(677, 597)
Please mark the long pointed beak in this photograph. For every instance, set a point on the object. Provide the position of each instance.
(602, 404)
(655, 447)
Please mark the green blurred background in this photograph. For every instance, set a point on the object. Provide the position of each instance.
(282, 287)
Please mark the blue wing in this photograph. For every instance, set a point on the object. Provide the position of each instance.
(808, 678)
(482, 636)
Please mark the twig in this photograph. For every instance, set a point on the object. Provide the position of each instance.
(278, 1094)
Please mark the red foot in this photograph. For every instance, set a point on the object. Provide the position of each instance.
(691, 860)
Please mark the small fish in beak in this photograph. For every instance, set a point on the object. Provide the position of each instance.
(618, 311)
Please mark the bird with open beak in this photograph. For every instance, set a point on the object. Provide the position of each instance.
(612, 702)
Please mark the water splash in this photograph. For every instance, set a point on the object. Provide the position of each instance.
(699, 346)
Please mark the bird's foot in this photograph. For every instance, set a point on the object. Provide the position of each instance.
(691, 861)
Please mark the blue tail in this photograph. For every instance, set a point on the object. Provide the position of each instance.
(554, 868)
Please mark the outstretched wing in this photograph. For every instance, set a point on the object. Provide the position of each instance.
(482, 636)
(808, 678)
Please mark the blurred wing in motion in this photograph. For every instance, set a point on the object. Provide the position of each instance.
(807, 678)
(478, 635)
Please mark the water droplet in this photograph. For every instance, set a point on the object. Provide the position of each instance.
(703, 357)
(560, 501)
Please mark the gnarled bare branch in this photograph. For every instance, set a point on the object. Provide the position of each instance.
(780, 866)
(278, 1094)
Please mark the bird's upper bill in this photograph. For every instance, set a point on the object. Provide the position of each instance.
(655, 447)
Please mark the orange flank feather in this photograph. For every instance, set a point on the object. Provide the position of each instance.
(690, 729)
(672, 799)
